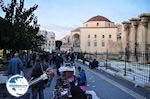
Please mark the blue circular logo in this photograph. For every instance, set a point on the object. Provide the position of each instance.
(17, 85)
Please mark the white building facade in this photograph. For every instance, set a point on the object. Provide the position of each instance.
(49, 45)
(97, 35)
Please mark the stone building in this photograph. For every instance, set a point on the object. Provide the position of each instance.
(75, 40)
(66, 43)
(97, 35)
(49, 45)
(66, 40)
(136, 38)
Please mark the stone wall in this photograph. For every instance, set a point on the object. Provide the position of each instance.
(136, 38)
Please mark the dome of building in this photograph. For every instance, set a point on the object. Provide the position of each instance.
(98, 18)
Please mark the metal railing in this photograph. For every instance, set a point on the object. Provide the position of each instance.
(130, 65)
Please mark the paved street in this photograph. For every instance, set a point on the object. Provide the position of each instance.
(104, 89)
(106, 86)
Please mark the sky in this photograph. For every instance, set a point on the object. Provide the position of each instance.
(62, 16)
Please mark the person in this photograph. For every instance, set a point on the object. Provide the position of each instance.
(39, 67)
(82, 78)
(15, 65)
(33, 59)
(58, 63)
(70, 81)
(47, 59)
(94, 64)
(26, 59)
(68, 57)
(84, 58)
(53, 58)
(72, 57)
(50, 59)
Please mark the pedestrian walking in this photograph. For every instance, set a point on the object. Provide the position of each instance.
(82, 81)
(15, 65)
(72, 57)
(50, 59)
(38, 68)
(58, 63)
(26, 59)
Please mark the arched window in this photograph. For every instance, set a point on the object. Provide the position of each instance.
(95, 36)
(88, 36)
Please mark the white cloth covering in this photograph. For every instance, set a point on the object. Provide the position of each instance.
(94, 96)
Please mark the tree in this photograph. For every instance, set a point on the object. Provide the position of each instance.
(58, 44)
(20, 31)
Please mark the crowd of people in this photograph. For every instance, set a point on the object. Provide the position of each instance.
(69, 77)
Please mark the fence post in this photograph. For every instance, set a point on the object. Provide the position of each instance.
(125, 69)
(106, 59)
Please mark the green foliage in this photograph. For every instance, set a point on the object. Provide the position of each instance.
(19, 28)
